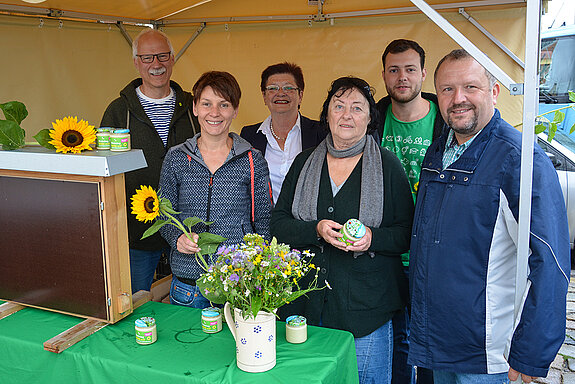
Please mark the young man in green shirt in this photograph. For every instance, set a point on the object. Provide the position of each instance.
(411, 121)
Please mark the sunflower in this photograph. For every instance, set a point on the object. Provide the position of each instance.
(69, 135)
(145, 204)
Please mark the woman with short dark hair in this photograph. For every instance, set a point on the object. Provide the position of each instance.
(217, 177)
(350, 176)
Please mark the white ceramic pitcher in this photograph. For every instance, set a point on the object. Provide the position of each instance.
(255, 339)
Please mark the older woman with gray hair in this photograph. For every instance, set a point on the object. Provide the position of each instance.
(350, 176)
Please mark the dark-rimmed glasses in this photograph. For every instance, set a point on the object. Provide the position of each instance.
(162, 57)
(285, 88)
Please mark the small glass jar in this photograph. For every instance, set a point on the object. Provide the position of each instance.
(296, 329)
(120, 140)
(352, 231)
(211, 320)
(146, 330)
(103, 138)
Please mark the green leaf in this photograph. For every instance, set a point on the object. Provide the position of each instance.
(540, 128)
(572, 96)
(11, 135)
(559, 116)
(14, 111)
(572, 129)
(208, 243)
(154, 228)
(43, 138)
(214, 294)
(552, 131)
(191, 221)
(256, 305)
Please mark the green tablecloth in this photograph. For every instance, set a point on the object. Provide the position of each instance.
(182, 354)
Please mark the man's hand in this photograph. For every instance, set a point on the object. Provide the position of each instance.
(513, 375)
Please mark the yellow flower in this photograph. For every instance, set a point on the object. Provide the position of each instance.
(145, 204)
(69, 135)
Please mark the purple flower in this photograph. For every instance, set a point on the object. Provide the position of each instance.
(234, 277)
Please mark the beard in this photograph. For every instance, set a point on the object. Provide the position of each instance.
(463, 127)
(402, 97)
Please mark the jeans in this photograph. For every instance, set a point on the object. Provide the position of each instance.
(443, 377)
(187, 295)
(403, 373)
(374, 355)
(142, 267)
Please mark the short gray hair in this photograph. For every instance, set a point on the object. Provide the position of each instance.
(462, 54)
(145, 32)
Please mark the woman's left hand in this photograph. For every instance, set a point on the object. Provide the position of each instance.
(362, 244)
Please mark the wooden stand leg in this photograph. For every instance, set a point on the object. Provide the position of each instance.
(7, 309)
(80, 331)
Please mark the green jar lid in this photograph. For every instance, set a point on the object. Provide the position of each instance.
(296, 321)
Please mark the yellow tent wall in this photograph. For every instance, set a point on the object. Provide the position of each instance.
(78, 68)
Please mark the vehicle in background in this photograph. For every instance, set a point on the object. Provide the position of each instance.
(557, 74)
(561, 151)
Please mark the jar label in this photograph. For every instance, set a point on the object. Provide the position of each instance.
(102, 141)
(210, 326)
(143, 337)
(119, 143)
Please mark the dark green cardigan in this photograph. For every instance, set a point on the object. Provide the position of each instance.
(366, 291)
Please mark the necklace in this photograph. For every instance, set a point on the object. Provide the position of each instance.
(274, 133)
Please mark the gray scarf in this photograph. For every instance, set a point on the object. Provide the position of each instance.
(304, 206)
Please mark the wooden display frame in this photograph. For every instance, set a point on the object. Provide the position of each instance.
(114, 240)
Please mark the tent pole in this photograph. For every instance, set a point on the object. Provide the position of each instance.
(466, 44)
(190, 41)
(122, 29)
(496, 41)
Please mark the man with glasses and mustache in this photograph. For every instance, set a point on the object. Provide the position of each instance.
(464, 322)
(411, 121)
(158, 113)
(285, 133)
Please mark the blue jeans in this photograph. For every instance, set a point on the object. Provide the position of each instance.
(187, 295)
(142, 267)
(374, 355)
(443, 377)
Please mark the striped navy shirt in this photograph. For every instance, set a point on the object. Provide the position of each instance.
(160, 111)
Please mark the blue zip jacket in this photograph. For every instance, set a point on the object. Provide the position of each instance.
(224, 197)
(463, 260)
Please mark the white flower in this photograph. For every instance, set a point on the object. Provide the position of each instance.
(224, 269)
(247, 292)
(265, 263)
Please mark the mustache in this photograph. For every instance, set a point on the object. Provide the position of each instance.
(157, 71)
(460, 106)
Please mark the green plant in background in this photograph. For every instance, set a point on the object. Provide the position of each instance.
(543, 123)
(11, 134)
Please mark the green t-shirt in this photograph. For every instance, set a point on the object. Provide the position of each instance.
(409, 142)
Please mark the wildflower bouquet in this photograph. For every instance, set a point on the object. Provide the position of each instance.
(149, 205)
(257, 275)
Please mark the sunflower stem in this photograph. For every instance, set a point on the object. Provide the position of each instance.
(203, 264)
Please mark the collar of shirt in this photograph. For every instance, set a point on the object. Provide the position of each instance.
(265, 128)
(453, 151)
(279, 161)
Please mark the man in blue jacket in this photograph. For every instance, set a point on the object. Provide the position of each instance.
(464, 243)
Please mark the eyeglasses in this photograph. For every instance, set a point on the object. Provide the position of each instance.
(162, 57)
(285, 88)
